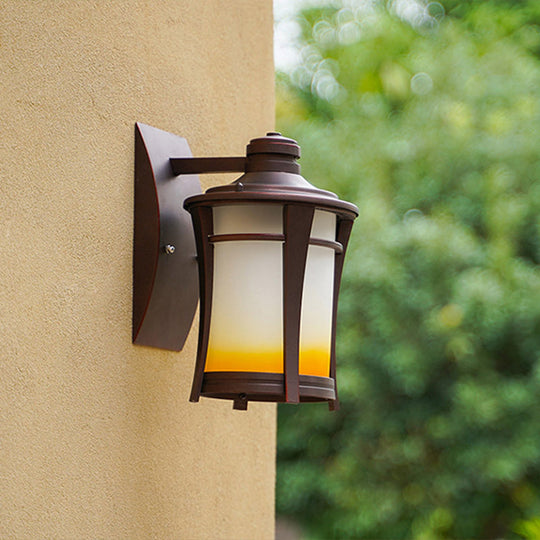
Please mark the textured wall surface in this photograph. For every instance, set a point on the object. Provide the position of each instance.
(97, 438)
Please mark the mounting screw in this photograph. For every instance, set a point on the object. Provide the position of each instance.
(169, 249)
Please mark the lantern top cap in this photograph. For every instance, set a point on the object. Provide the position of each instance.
(273, 143)
(272, 175)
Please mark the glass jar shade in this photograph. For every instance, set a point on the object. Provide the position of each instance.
(246, 325)
(317, 299)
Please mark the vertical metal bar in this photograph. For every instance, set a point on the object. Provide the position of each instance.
(343, 233)
(203, 226)
(297, 228)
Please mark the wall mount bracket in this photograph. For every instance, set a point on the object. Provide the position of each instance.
(165, 271)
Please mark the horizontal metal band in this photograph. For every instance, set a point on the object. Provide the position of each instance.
(257, 386)
(321, 200)
(239, 237)
(336, 246)
(246, 236)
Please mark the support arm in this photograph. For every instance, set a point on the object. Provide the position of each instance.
(207, 165)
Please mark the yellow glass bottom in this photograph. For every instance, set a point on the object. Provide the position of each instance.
(312, 361)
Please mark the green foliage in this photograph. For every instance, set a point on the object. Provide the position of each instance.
(529, 529)
(431, 128)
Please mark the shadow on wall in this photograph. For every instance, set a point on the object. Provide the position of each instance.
(288, 530)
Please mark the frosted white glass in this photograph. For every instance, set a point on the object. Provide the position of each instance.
(246, 328)
(324, 225)
(317, 300)
(248, 218)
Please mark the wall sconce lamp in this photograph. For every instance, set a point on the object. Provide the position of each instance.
(267, 252)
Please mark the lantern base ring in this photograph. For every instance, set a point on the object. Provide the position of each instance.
(256, 386)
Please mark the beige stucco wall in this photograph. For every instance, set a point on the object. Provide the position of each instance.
(97, 438)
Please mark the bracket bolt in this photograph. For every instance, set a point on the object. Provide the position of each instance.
(169, 249)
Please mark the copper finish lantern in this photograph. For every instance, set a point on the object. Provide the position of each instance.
(270, 249)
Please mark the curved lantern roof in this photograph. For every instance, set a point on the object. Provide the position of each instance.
(272, 174)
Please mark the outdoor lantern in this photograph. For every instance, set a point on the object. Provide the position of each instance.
(269, 254)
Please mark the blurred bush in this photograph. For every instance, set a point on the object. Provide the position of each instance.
(429, 120)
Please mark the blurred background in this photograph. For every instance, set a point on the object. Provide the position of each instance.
(427, 116)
